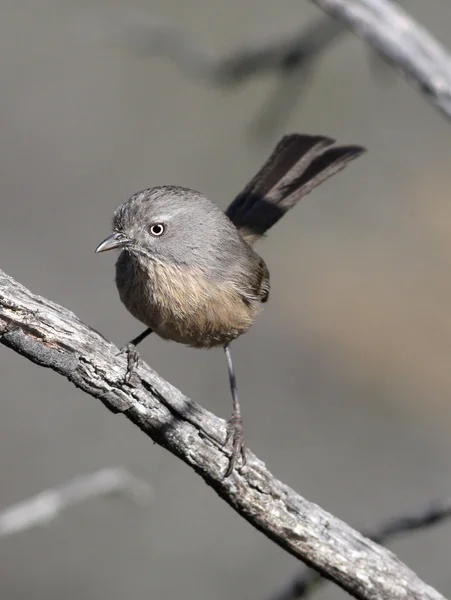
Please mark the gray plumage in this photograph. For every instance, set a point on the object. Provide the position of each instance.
(200, 282)
(188, 271)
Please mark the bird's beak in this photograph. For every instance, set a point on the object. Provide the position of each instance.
(116, 240)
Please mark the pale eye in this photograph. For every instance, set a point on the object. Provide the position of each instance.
(156, 229)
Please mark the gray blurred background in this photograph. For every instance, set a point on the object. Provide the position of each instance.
(345, 379)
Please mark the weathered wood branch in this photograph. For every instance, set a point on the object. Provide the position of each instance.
(403, 42)
(308, 581)
(52, 336)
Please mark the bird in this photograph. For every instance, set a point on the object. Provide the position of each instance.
(189, 271)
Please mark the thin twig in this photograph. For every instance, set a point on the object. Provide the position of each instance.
(52, 336)
(308, 581)
(47, 505)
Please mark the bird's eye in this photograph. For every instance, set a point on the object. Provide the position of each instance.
(156, 229)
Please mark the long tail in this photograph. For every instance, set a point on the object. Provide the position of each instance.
(297, 165)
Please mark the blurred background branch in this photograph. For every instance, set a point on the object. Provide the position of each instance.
(291, 55)
(408, 46)
(392, 34)
(280, 52)
(47, 505)
(53, 337)
(308, 581)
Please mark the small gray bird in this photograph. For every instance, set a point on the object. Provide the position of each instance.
(188, 271)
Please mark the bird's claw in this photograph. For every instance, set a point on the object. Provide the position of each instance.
(235, 442)
(132, 360)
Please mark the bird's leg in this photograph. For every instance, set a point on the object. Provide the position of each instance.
(235, 437)
(139, 338)
(132, 353)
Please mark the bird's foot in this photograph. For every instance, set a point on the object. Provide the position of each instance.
(132, 360)
(235, 442)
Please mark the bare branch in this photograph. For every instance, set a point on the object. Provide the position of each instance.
(47, 505)
(306, 582)
(52, 336)
(410, 48)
